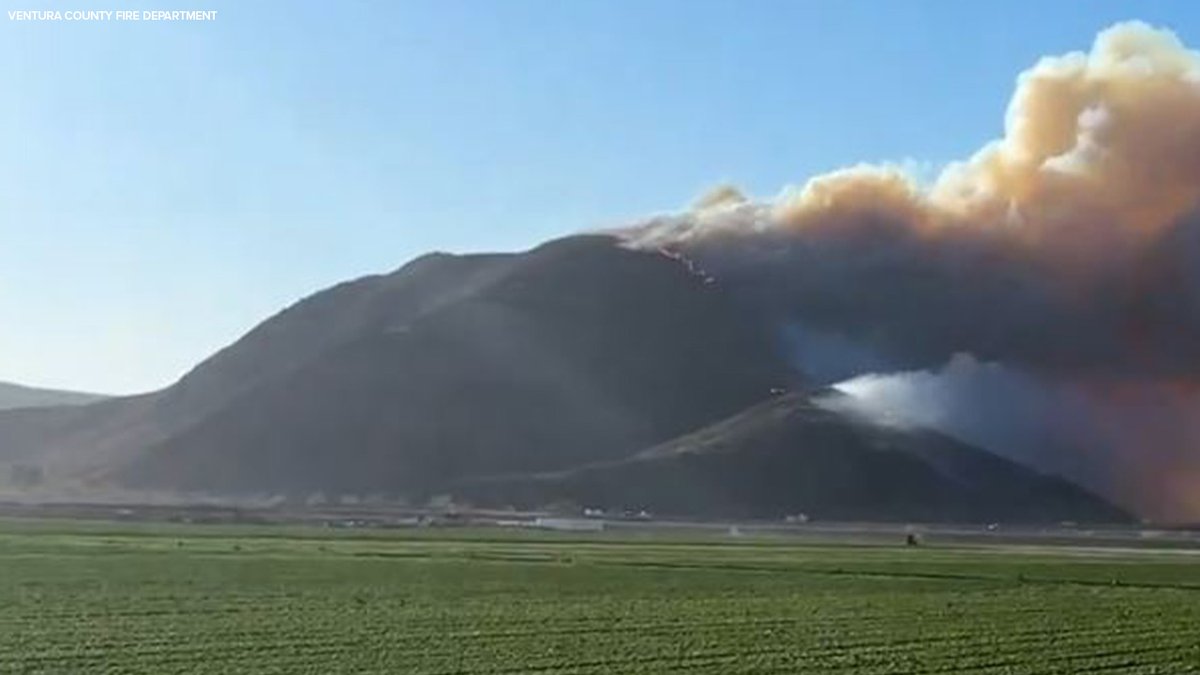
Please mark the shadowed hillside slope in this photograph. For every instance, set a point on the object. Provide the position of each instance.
(16, 396)
(788, 455)
(576, 351)
(527, 378)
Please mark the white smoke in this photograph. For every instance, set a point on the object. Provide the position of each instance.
(1083, 430)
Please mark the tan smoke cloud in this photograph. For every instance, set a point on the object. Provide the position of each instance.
(1108, 141)
(1087, 208)
(1069, 248)
(1100, 143)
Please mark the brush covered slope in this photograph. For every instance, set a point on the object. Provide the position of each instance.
(577, 351)
(527, 378)
(791, 455)
(14, 396)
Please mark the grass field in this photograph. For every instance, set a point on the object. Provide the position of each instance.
(81, 598)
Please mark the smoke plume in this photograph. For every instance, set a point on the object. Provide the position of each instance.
(1129, 439)
(1065, 257)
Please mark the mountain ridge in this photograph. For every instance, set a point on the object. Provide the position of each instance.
(790, 455)
(13, 396)
(580, 358)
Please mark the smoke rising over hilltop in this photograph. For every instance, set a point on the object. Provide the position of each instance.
(1131, 439)
(1067, 253)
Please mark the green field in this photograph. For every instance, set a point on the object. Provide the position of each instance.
(81, 598)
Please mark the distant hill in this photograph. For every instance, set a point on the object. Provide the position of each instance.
(579, 370)
(17, 396)
(788, 456)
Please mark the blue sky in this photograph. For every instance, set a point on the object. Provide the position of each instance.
(164, 187)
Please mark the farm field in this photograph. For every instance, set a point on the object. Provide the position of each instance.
(128, 598)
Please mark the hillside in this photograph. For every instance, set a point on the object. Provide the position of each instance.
(789, 455)
(576, 351)
(579, 370)
(17, 396)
